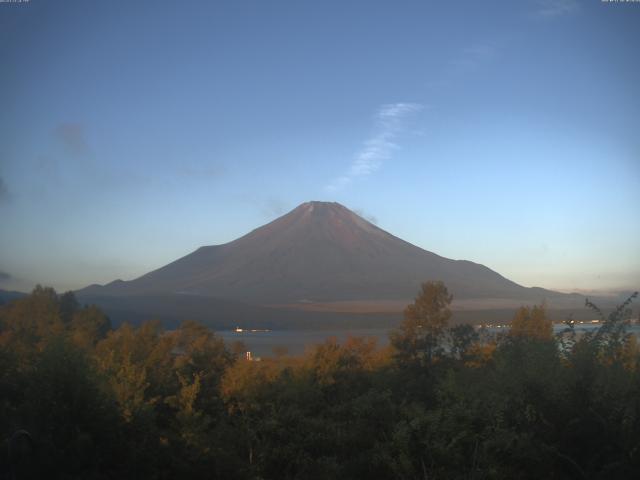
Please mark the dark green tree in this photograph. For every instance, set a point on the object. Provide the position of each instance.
(461, 339)
(68, 306)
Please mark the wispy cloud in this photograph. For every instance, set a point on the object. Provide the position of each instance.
(73, 138)
(389, 124)
(206, 172)
(273, 207)
(4, 277)
(556, 8)
(473, 57)
(4, 192)
(370, 218)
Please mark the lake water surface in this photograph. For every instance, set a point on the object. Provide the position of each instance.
(262, 343)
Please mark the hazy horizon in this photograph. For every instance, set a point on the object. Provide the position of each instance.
(134, 133)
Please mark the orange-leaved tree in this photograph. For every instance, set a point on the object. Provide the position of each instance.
(425, 322)
(532, 322)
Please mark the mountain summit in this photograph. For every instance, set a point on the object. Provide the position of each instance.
(318, 252)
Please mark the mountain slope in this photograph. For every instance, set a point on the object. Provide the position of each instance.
(317, 252)
(8, 295)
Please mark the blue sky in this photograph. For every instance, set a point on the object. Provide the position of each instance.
(506, 133)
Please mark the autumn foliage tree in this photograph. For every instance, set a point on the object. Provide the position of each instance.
(425, 322)
(532, 322)
(140, 401)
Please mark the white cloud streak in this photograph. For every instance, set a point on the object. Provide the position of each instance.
(473, 57)
(379, 147)
(556, 8)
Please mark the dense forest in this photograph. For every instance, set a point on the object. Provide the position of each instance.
(79, 399)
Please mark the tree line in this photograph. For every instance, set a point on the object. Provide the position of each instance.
(79, 399)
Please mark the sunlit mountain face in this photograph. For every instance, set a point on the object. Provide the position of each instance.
(318, 252)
